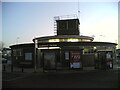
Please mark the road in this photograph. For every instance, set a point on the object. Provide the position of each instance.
(91, 79)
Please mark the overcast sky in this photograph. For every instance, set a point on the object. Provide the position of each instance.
(22, 21)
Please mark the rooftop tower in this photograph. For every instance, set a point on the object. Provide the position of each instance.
(67, 25)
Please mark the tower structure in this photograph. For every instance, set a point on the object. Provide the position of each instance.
(68, 25)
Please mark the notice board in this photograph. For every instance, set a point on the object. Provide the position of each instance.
(75, 59)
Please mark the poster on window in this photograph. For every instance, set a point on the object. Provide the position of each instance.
(108, 55)
(75, 65)
(75, 56)
(75, 60)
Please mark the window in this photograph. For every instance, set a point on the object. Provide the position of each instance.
(62, 25)
(19, 52)
(66, 55)
(14, 53)
(108, 56)
(28, 56)
(72, 24)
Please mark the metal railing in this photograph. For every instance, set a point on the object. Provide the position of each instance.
(63, 17)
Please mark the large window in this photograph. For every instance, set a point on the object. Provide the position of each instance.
(72, 24)
(14, 53)
(18, 52)
(28, 56)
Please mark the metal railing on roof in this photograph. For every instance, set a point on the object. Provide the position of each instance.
(64, 17)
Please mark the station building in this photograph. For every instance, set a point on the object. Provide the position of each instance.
(66, 50)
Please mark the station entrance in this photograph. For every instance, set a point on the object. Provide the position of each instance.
(55, 59)
(105, 60)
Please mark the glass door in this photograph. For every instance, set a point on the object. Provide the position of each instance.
(49, 60)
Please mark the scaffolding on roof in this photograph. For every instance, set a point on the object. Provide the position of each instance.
(64, 17)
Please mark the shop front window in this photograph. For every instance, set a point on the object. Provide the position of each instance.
(28, 56)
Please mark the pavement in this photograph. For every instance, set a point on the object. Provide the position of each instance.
(88, 76)
(88, 79)
(18, 73)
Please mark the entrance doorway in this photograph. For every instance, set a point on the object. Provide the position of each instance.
(105, 59)
(49, 60)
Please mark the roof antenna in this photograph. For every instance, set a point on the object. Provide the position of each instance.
(78, 10)
(78, 14)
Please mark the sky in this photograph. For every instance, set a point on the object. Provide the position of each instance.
(23, 21)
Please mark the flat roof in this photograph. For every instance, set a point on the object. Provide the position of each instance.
(64, 37)
(65, 44)
(68, 20)
(80, 43)
(22, 45)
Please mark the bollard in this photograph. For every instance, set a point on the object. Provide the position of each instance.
(22, 69)
(11, 68)
(3, 67)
